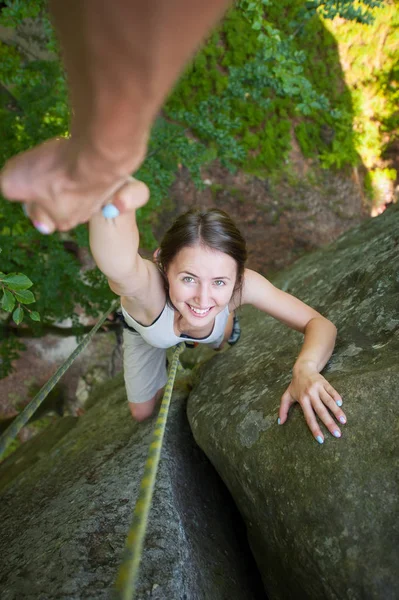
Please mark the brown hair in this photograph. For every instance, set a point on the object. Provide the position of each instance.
(210, 227)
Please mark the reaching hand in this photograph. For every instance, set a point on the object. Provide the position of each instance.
(59, 187)
(316, 397)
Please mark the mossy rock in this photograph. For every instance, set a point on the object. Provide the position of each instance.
(322, 520)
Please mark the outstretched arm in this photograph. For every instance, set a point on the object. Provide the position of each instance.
(122, 58)
(114, 243)
(313, 392)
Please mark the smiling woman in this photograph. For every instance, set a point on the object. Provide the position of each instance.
(201, 283)
(190, 292)
(210, 229)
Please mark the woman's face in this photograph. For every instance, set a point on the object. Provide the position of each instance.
(201, 283)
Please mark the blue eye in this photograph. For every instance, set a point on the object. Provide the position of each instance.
(219, 283)
(188, 279)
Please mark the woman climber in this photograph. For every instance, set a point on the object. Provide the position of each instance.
(190, 293)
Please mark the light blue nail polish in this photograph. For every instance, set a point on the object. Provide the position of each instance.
(279, 421)
(110, 211)
(339, 402)
(342, 420)
(320, 439)
(41, 228)
(337, 433)
(25, 210)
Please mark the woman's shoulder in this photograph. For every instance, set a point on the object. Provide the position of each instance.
(251, 282)
(148, 300)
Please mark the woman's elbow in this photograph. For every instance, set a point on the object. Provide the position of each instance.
(326, 324)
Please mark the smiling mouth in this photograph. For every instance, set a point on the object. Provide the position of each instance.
(199, 312)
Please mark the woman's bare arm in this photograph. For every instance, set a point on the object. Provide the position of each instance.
(308, 387)
(114, 243)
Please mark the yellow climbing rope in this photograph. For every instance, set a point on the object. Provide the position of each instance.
(127, 576)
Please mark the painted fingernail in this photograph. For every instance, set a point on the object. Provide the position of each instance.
(339, 402)
(320, 439)
(337, 433)
(25, 210)
(279, 421)
(110, 211)
(342, 420)
(42, 228)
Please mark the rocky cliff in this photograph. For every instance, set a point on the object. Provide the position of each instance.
(66, 504)
(322, 520)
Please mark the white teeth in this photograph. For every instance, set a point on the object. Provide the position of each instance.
(199, 311)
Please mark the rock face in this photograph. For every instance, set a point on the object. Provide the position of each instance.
(322, 521)
(65, 516)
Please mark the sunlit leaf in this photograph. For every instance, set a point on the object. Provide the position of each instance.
(17, 281)
(25, 296)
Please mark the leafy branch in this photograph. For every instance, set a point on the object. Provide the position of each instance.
(15, 287)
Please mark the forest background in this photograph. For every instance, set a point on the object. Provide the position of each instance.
(321, 75)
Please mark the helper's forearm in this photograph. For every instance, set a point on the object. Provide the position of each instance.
(318, 344)
(122, 58)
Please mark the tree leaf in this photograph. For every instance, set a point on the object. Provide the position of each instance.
(17, 281)
(8, 301)
(18, 315)
(25, 296)
(34, 315)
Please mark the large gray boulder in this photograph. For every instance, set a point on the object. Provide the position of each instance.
(322, 521)
(66, 503)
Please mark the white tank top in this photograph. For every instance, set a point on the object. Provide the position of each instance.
(161, 334)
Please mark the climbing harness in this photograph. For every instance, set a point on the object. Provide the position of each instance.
(11, 433)
(127, 576)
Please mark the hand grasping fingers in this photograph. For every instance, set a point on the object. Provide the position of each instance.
(40, 219)
(130, 195)
(61, 189)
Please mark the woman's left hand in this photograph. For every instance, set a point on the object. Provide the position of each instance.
(317, 398)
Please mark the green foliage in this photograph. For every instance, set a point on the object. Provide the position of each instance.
(15, 288)
(288, 72)
(270, 71)
(347, 9)
(169, 146)
(246, 95)
(10, 349)
(371, 56)
(378, 182)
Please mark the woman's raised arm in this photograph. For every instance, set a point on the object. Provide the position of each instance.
(114, 242)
